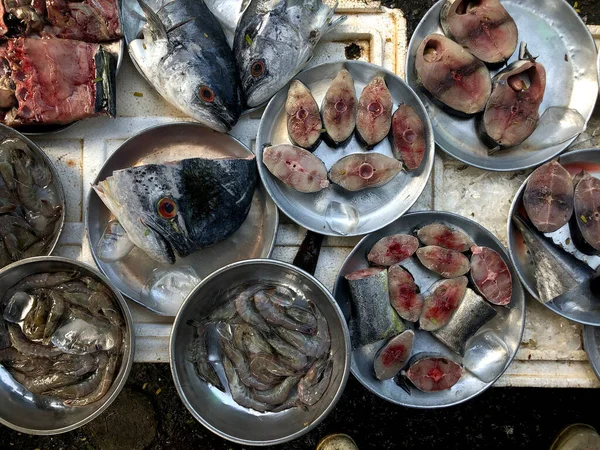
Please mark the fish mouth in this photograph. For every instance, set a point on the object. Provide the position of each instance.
(168, 254)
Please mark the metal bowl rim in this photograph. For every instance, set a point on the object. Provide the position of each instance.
(109, 159)
(430, 151)
(128, 355)
(346, 339)
(565, 145)
(516, 283)
(589, 339)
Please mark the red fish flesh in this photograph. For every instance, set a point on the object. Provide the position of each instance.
(87, 20)
(441, 302)
(444, 236)
(447, 263)
(404, 294)
(432, 373)
(408, 137)
(491, 276)
(393, 249)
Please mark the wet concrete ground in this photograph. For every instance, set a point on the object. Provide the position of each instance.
(148, 414)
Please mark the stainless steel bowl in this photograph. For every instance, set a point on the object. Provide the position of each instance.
(34, 414)
(217, 411)
(8, 133)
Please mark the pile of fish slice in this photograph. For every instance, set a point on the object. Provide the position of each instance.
(61, 336)
(273, 345)
(386, 301)
(52, 69)
(30, 209)
(453, 69)
(340, 117)
(563, 203)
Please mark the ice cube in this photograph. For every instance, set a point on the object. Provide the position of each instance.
(18, 307)
(558, 124)
(114, 244)
(486, 356)
(341, 217)
(79, 336)
(166, 289)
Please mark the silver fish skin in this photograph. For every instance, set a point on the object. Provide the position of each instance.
(274, 40)
(185, 55)
(473, 313)
(180, 207)
(556, 271)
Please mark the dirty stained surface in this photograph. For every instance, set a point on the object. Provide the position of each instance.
(149, 414)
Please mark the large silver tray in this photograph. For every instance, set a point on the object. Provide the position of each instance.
(376, 207)
(555, 33)
(508, 324)
(254, 239)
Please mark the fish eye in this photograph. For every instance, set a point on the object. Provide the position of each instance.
(167, 208)
(257, 69)
(207, 94)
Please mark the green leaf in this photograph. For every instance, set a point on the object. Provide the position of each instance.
(96, 80)
(248, 39)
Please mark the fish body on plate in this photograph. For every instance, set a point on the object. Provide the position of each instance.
(374, 114)
(452, 75)
(445, 262)
(185, 56)
(483, 27)
(392, 357)
(491, 275)
(408, 137)
(432, 373)
(183, 206)
(55, 81)
(296, 167)
(512, 112)
(274, 40)
(374, 317)
(360, 171)
(405, 295)
(339, 109)
(304, 123)
(393, 249)
(441, 301)
(472, 313)
(549, 197)
(441, 235)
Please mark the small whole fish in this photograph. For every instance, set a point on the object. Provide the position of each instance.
(452, 75)
(491, 275)
(442, 235)
(393, 249)
(408, 137)
(360, 171)
(296, 167)
(374, 116)
(405, 295)
(433, 373)
(183, 206)
(392, 357)
(274, 40)
(447, 263)
(441, 302)
(339, 109)
(185, 56)
(304, 123)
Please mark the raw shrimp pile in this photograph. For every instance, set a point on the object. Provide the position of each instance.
(61, 336)
(272, 344)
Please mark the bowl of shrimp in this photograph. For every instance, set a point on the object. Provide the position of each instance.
(260, 352)
(66, 345)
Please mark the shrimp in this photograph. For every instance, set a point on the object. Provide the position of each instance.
(108, 375)
(77, 365)
(289, 354)
(306, 344)
(54, 316)
(245, 308)
(239, 392)
(278, 394)
(28, 348)
(86, 387)
(314, 384)
(276, 315)
(43, 383)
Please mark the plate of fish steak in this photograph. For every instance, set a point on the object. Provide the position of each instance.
(445, 310)
(196, 227)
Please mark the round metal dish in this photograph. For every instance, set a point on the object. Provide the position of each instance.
(376, 207)
(588, 160)
(554, 32)
(172, 142)
(591, 345)
(216, 410)
(6, 133)
(508, 324)
(34, 414)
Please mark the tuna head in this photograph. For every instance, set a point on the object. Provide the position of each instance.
(180, 207)
(185, 56)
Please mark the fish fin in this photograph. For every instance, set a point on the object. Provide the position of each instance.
(155, 25)
(331, 24)
(401, 381)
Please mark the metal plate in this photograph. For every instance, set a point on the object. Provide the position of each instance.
(588, 160)
(591, 345)
(553, 31)
(508, 324)
(376, 207)
(254, 239)
(7, 132)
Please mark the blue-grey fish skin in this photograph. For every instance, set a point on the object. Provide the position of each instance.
(274, 40)
(206, 199)
(184, 52)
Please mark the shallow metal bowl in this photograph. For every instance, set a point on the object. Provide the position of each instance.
(35, 414)
(8, 133)
(216, 410)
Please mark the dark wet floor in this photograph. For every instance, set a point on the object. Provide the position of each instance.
(149, 414)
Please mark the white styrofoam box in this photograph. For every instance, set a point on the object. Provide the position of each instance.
(551, 353)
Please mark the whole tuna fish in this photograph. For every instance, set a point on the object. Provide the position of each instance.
(274, 40)
(185, 56)
(183, 206)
